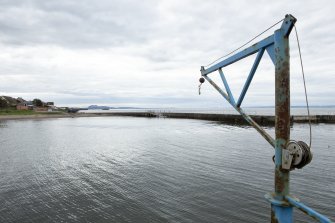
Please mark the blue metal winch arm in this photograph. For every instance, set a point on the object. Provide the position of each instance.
(240, 55)
(277, 46)
(286, 28)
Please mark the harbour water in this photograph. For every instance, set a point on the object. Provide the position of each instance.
(127, 169)
(249, 110)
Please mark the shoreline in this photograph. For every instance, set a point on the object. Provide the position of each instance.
(228, 118)
(41, 116)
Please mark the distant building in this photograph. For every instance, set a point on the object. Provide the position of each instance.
(50, 103)
(30, 105)
(22, 106)
(52, 108)
(26, 105)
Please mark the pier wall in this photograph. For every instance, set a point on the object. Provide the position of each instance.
(225, 118)
(228, 118)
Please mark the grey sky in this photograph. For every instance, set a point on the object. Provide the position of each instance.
(148, 53)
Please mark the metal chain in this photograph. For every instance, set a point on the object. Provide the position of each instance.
(200, 88)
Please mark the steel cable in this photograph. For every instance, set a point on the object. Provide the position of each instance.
(244, 44)
(303, 77)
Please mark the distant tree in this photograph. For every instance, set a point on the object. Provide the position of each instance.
(3, 103)
(37, 102)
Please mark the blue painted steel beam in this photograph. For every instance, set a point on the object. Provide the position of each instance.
(251, 75)
(309, 211)
(231, 97)
(240, 55)
(281, 214)
(271, 52)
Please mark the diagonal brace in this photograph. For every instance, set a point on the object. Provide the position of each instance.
(251, 75)
(231, 97)
(217, 88)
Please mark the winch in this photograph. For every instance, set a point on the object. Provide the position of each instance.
(290, 154)
(297, 154)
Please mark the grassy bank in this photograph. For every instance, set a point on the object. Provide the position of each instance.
(26, 112)
(16, 112)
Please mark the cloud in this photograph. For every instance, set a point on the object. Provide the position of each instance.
(150, 52)
(75, 25)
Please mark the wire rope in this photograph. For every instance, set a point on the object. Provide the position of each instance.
(306, 98)
(244, 43)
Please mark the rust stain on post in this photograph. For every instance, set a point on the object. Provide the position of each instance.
(282, 119)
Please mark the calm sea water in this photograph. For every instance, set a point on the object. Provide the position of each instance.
(124, 169)
(249, 110)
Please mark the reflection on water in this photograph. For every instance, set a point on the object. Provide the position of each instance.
(127, 169)
(3, 124)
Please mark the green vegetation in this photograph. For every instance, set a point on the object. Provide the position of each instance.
(9, 106)
(7, 102)
(51, 113)
(37, 102)
(11, 111)
(3, 103)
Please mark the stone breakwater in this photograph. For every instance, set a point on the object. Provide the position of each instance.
(225, 118)
(228, 118)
